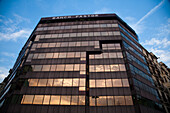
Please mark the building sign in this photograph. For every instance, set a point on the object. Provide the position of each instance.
(77, 16)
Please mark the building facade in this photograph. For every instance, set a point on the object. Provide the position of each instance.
(161, 77)
(81, 64)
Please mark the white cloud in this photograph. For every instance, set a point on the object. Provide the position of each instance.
(103, 10)
(3, 73)
(156, 42)
(12, 29)
(8, 54)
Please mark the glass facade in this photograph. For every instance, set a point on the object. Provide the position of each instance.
(82, 65)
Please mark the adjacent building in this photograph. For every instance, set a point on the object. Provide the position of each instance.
(81, 64)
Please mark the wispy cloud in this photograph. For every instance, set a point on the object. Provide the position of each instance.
(7, 54)
(3, 73)
(150, 12)
(12, 28)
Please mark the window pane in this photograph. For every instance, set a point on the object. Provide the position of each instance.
(42, 82)
(91, 68)
(117, 46)
(114, 67)
(46, 99)
(76, 67)
(82, 88)
(128, 100)
(50, 82)
(92, 101)
(110, 100)
(55, 55)
(81, 100)
(60, 67)
(101, 101)
(62, 55)
(100, 83)
(77, 55)
(112, 55)
(65, 100)
(69, 67)
(46, 68)
(106, 55)
(107, 68)
(99, 68)
(38, 99)
(70, 54)
(75, 82)
(53, 68)
(83, 67)
(58, 82)
(37, 67)
(122, 67)
(28, 99)
(119, 100)
(82, 82)
(55, 100)
(119, 55)
(74, 100)
(52, 44)
(117, 83)
(92, 83)
(108, 82)
(41, 55)
(49, 55)
(33, 82)
(125, 82)
(67, 82)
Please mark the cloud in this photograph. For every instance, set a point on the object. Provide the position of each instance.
(150, 12)
(8, 54)
(3, 73)
(103, 10)
(12, 28)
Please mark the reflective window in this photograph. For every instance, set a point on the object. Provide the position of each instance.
(38, 99)
(62, 55)
(74, 100)
(101, 101)
(76, 67)
(75, 82)
(125, 82)
(33, 82)
(110, 100)
(55, 55)
(100, 83)
(92, 101)
(119, 100)
(70, 54)
(37, 67)
(42, 82)
(114, 67)
(128, 100)
(122, 67)
(92, 83)
(55, 100)
(69, 67)
(60, 67)
(49, 55)
(27, 99)
(46, 100)
(46, 68)
(52, 44)
(99, 68)
(107, 68)
(112, 55)
(67, 82)
(108, 82)
(58, 82)
(117, 82)
(65, 100)
(81, 100)
(53, 68)
(41, 56)
(50, 82)
(82, 82)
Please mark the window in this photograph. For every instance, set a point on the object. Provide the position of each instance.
(100, 83)
(107, 68)
(119, 100)
(50, 82)
(74, 100)
(128, 100)
(108, 82)
(70, 54)
(67, 82)
(92, 84)
(53, 67)
(52, 44)
(125, 82)
(65, 100)
(112, 55)
(46, 68)
(62, 55)
(42, 82)
(101, 101)
(46, 100)
(55, 100)
(27, 99)
(114, 67)
(60, 67)
(117, 82)
(33, 82)
(76, 67)
(122, 67)
(37, 67)
(119, 55)
(38, 99)
(41, 56)
(55, 55)
(82, 82)
(92, 101)
(49, 55)
(58, 82)
(81, 100)
(75, 82)
(110, 100)
(99, 68)
(69, 67)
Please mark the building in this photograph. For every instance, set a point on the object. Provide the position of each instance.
(81, 64)
(161, 77)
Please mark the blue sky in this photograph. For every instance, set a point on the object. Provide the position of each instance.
(149, 18)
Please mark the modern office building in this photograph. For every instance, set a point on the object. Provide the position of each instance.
(81, 64)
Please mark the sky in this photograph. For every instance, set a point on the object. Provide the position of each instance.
(149, 18)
